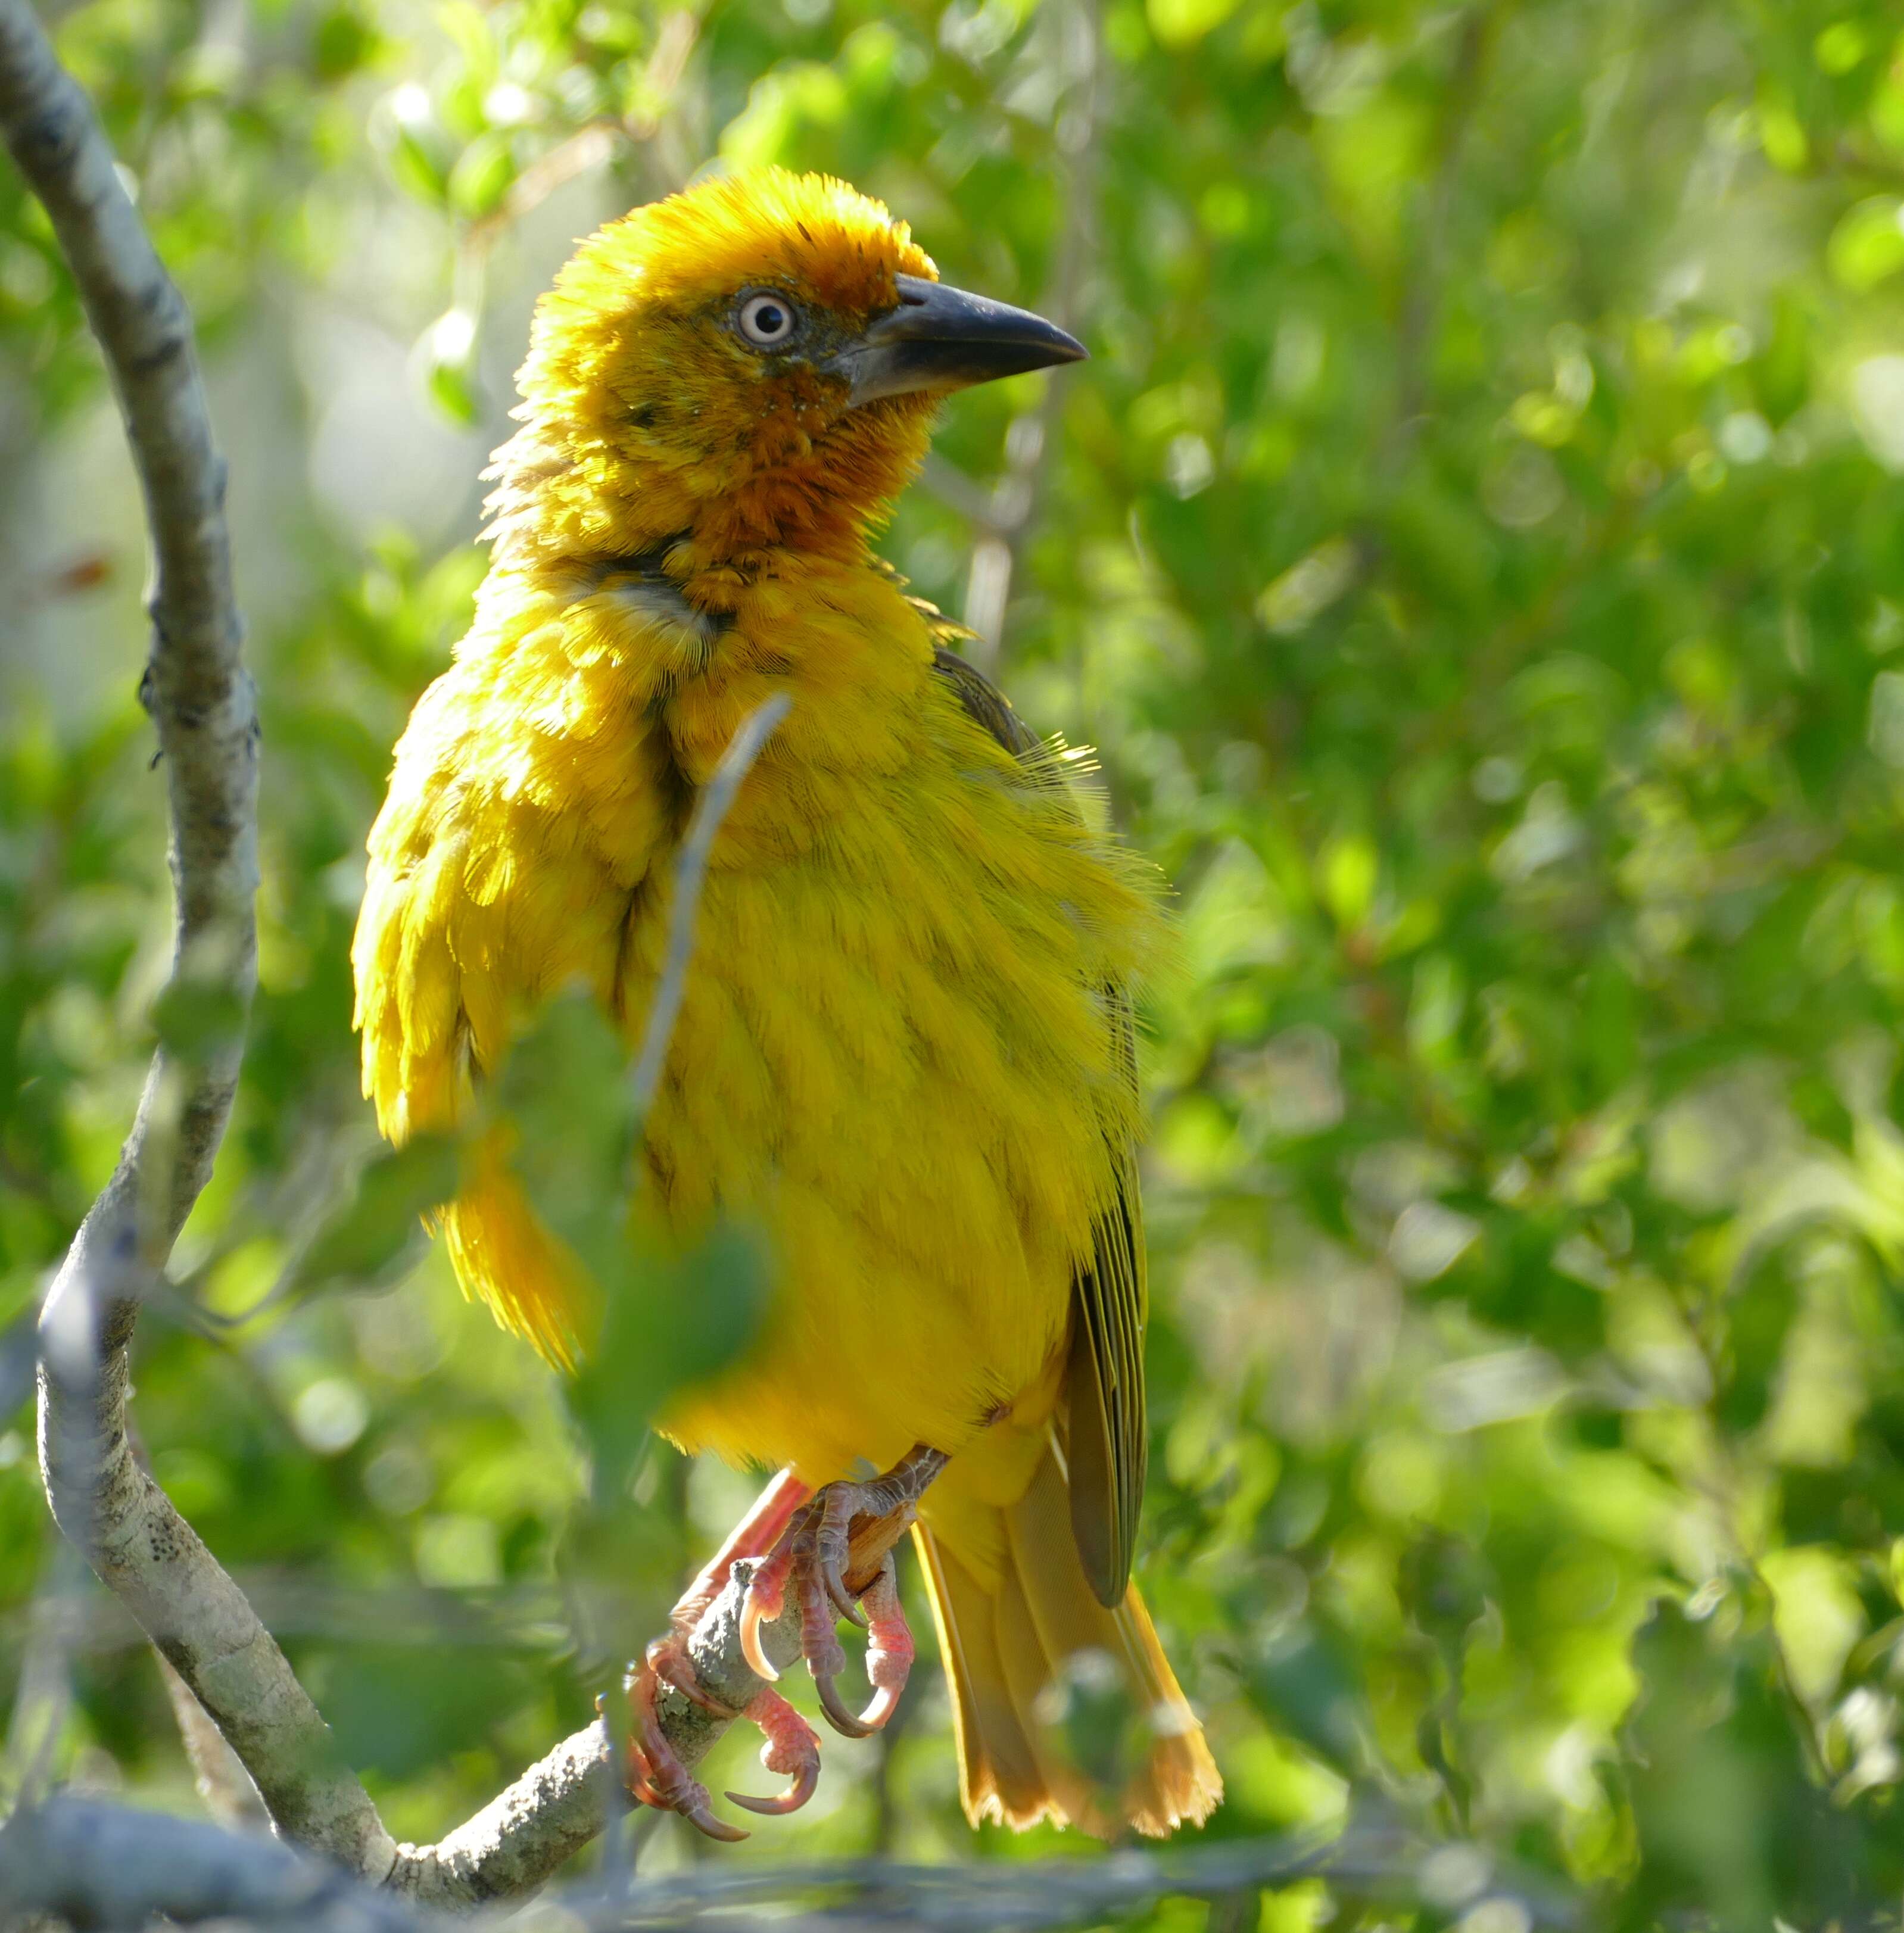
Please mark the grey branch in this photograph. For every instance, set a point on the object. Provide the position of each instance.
(98, 1864)
(202, 703)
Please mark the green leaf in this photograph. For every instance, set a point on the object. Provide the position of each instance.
(485, 171)
(671, 1317)
(420, 165)
(343, 42)
(376, 1236)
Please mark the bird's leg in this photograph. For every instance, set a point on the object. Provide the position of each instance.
(657, 1776)
(753, 1536)
(818, 1557)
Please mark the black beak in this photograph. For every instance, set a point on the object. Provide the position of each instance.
(942, 338)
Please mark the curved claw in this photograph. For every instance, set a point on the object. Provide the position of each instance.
(703, 1817)
(832, 1574)
(790, 1747)
(806, 1782)
(886, 1702)
(846, 1723)
(830, 1552)
(758, 1662)
(686, 1797)
(889, 1657)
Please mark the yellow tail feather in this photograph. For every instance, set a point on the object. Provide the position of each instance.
(1003, 1645)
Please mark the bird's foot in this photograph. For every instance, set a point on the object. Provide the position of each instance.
(658, 1777)
(814, 1558)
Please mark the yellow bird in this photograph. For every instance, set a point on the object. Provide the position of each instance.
(905, 1047)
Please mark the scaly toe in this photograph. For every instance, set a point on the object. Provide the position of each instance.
(830, 1547)
(656, 1775)
(668, 1659)
(791, 1747)
(890, 1656)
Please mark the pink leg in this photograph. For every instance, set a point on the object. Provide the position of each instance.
(658, 1777)
(753, 1536)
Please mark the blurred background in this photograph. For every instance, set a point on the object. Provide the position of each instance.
(1476, 549)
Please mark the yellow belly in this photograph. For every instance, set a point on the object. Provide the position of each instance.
(925, 1173)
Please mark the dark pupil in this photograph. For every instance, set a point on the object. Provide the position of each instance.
(769, 320)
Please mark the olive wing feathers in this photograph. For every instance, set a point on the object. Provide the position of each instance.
(1108, 1439)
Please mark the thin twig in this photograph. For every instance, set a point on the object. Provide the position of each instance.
(227, 1789)
(1013, 504)
(595, 142)
(43, 1696)
(717, 800)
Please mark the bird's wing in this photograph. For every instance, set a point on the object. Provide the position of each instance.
(1107, 1441)
(523, 814)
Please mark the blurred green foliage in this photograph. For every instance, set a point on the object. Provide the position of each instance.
(1477, 548)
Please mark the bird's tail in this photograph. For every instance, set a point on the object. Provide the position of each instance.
(1010, 1620)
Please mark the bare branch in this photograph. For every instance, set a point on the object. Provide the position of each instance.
(1013, 503)
(97, 1865)
(102, 1864)
(230, 1794)
(521, 1836)
(973, 501)
(201, 700)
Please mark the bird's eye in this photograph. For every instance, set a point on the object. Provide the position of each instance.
(768, 321)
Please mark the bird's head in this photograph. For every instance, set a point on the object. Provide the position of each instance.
(754, 360)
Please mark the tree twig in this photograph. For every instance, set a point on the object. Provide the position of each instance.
(97, 1864)
(717, 799)
(1010, 510)
(44, 1695)
(202, 702)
